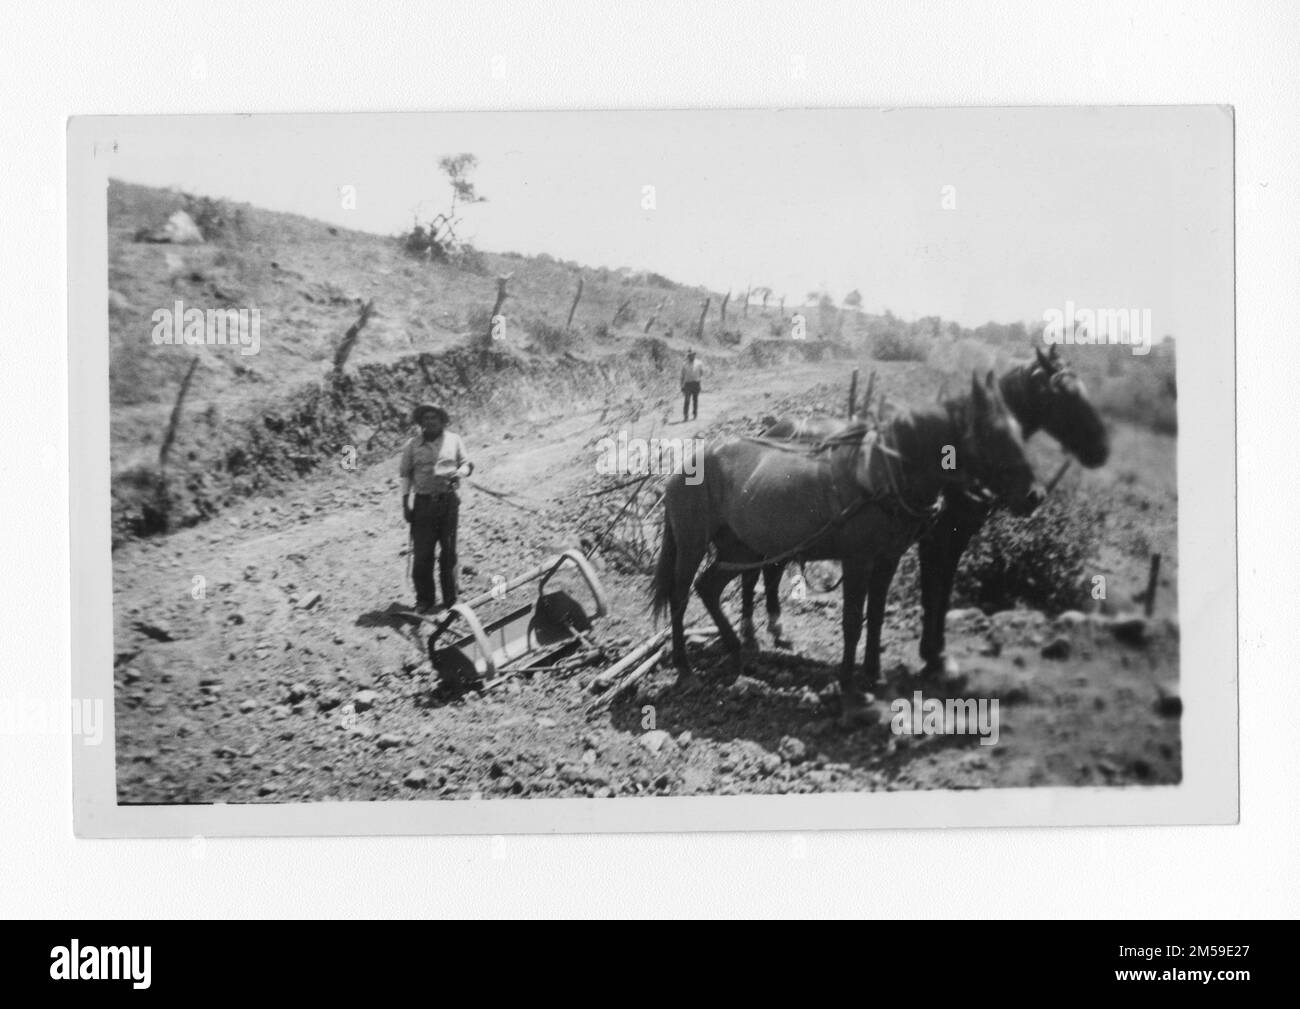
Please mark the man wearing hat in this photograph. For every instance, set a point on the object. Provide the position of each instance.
(433, 464)
(692, 372)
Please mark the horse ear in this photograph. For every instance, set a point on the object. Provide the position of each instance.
(979, 394)
(1054, 353)
(1043, 361)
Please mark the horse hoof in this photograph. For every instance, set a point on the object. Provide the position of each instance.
(857, 710)
(943, 668)
(686, 679)
(732, 667)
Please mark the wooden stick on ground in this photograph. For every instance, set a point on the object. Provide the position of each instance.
(636, 674)
(603, 680)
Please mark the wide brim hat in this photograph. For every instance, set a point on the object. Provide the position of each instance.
(424, 408)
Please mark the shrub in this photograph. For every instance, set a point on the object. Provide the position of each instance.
(551, 339)
(897, 344)
(470, 260)
(1040, 561)
(653, 350)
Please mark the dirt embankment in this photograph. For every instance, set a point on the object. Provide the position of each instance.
(362, 415)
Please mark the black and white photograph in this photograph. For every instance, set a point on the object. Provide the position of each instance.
(514, 456)
(670, 461)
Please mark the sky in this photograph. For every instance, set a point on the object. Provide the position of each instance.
(969, 214)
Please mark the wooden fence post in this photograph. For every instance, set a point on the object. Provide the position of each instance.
(699, 326)
(574, 307)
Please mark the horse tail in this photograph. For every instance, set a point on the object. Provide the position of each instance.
(661, 589)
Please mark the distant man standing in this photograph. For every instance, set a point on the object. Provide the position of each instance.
(433, 464)
(692, 372)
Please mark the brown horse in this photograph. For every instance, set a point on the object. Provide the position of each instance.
(1043, 395)
(862, 501)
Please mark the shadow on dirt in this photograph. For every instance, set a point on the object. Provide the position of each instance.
(395, 617)
(781, 695)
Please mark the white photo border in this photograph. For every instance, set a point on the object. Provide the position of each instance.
(1207, 539)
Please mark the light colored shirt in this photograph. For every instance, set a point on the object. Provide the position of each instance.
(692, 371)
(431, 465)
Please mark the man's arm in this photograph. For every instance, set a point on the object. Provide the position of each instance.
(463, 465)
(405, 470)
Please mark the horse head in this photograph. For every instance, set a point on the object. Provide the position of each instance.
(1055, 400)
(992, 445)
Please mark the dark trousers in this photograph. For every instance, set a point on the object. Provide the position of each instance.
(690, 400)
(433, 528)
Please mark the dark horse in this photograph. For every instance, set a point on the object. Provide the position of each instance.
(1043, 395)
(862, 500)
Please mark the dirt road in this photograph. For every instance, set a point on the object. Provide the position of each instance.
(257, 660)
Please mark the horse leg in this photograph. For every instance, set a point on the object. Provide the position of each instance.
(688, 556)
(933, 551)
(940, 553)
(856, 577)
(710, 585)
(748, 582)
(882, 575)
(772, 599)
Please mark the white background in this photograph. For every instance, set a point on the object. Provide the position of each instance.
(62, 60)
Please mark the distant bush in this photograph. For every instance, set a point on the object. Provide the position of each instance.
(1153, 403)
(416, 242)
(602, 331)
(552, 339)
(652, 349)
(899, 344)
(1141, 389)
(467, 258)
(1040, 561)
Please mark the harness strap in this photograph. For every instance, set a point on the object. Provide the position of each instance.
(853, 508)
